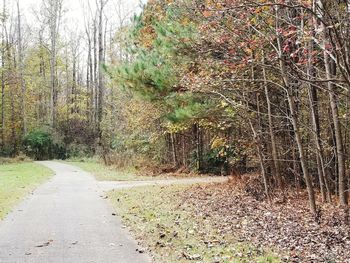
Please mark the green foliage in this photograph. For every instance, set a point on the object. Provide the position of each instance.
(217, 159)
(157, 65)
(162, 37)
(7, 150)
(185, 108)
(150, 75)
(38, 144)
(41, 145)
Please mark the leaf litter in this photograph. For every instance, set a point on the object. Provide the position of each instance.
(227, 222)
(288, 228)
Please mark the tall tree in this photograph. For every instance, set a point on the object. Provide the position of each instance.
(53, 14)
(21, 70)
(101, 5)
(3, 46)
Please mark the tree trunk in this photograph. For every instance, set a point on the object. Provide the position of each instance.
(21, 72)
(96, 106)
(313, 102)
(173, 147)
(276, 166)
(101, 63)
(257, 140)
(330, 72)
(54, 16)
(324, 186)
(3, 83)
(293, 117)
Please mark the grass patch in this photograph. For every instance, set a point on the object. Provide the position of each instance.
(17, 180)
(108, 173)
(173, 233)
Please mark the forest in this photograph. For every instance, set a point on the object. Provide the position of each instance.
(218, 86)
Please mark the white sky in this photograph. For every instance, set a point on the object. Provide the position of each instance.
(73, 18)
(75, 13)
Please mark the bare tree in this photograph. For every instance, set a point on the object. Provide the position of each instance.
(101, 5)
(53, 14)
(21, 70)
(3, 76)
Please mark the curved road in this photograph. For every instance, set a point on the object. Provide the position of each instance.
(66, 221)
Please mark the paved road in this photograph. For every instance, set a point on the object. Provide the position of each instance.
(66, 221)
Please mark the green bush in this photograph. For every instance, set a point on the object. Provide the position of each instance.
(217, 160)
(7, 151)
(38, 145)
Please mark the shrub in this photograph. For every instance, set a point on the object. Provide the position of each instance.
(79, 151)
(7, 151)
(20, 158)
(220, 158)
(44, 144)
(38, 145)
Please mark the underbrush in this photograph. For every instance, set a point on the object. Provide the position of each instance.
(113, 172)
(106, 173)
(18, 159)
(82, 159)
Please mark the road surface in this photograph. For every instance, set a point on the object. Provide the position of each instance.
(66, 221)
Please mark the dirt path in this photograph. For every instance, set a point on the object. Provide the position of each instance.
(66, 221)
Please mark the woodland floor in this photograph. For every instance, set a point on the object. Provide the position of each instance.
(226, 223)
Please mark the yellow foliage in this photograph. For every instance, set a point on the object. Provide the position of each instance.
(218, 142)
